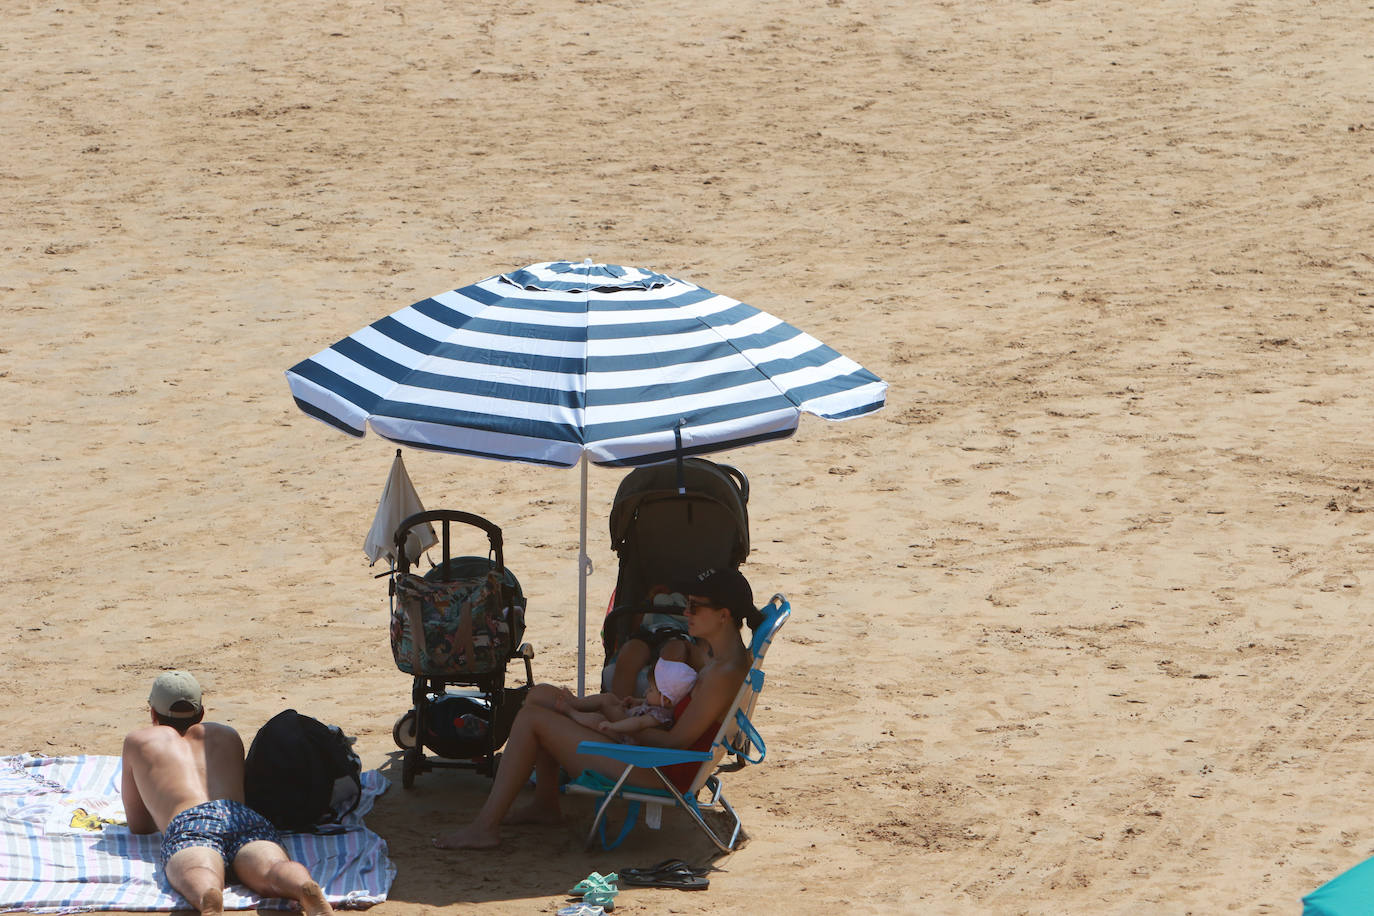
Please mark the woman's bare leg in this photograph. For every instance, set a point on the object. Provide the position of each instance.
(590, 711)
(517, 763)
(541, 740)
(545, 695)
(544, 807)
(591, 703)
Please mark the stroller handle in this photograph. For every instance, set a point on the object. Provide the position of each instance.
(446, 516)
(741, 482)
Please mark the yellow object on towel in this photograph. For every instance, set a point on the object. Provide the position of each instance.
(84, 820)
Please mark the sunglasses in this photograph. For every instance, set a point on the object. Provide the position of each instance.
(693, 604)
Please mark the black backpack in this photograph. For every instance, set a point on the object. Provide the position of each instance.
(301, 774)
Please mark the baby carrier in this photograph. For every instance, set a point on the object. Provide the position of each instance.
(456, 626)
(669, 522)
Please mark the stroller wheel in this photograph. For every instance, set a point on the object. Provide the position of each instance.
(403, 732)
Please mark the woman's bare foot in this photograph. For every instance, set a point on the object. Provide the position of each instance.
(469, 837)
(313, 901)
(212, 902)
(534, 813)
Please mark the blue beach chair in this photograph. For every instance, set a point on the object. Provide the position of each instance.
(737, 736)
(1351, 893)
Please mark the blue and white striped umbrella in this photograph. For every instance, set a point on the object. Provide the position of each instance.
(560, 360)
(561, 363)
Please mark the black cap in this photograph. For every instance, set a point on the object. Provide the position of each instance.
(728, 589)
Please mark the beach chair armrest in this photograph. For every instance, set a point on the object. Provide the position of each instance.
(748, 736)
(641, 756)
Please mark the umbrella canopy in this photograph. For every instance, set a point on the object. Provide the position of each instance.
(560, 360)
(561, 363)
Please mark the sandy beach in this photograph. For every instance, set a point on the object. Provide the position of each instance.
(1079, 623)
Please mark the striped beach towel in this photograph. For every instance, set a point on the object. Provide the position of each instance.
(64, 847)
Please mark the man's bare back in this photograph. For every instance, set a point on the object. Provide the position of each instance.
(165, 773)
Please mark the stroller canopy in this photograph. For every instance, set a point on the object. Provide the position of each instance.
(693, 515)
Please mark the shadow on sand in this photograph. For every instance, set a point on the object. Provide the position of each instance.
(531, 862)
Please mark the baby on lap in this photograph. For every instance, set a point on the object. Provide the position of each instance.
(669, 684)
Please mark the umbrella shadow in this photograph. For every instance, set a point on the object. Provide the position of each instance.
(532, 862)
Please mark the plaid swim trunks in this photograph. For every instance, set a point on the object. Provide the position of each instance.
(223, 825)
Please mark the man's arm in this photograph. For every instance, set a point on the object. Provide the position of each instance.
(136, 813)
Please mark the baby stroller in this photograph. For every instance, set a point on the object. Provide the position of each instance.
(456, 626)
(669, 522)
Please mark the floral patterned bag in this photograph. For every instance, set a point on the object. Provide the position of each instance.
(462, 625)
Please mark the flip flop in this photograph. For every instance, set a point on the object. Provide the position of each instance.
(667, 866)
(681, 882)
(677, 875)
(582, 909)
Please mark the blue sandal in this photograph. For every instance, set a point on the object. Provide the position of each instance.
(604, 899)
(594, 882)
(597, 890)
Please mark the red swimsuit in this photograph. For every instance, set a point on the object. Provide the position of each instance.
(682, 774)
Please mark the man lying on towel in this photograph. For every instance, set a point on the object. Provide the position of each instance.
(185, 777)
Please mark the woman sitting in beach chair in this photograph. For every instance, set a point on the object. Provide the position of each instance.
(543, 739)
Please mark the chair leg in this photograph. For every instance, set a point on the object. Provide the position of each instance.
(691, 809)
(701, 821)
(734, 832)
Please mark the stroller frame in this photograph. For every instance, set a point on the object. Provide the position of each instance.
(489, 690)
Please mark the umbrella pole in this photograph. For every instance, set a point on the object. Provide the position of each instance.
(584, 569)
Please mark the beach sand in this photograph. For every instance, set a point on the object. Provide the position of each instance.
(1079, 623)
